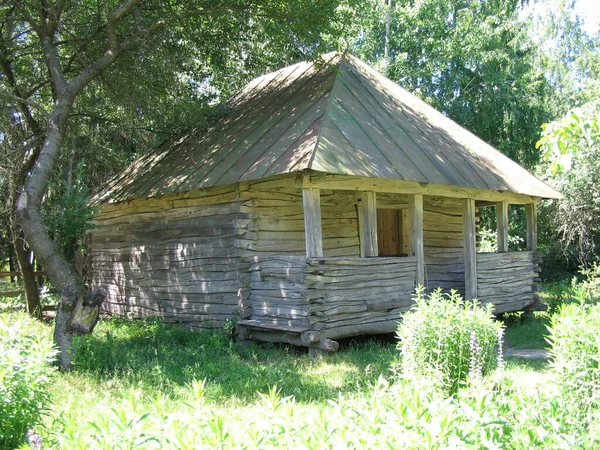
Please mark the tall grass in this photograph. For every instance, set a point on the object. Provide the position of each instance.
(25, 372)
(151, 385)
(448, 340)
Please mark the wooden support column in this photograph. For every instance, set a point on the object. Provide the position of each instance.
(368, 217)
(415, 215)
(531, 219)
(470, 248)
(311, 201)
(502, 226)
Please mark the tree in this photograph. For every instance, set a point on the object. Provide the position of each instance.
(472, 60)
(58, 50)
(571, 150)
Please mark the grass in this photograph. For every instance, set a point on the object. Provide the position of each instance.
(150, 365)
(150, 385)
(151, 356)
(529, 333)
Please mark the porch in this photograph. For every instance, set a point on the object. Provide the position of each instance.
(311, 300)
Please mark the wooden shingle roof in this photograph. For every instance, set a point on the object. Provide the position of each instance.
(341, 117)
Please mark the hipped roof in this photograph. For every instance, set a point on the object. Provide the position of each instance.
(339, 116)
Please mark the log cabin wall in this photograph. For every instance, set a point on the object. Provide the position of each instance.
(308, 301)
(277, 228)
(509, 280)
(442, 238)
(443, 243)
(174, 257)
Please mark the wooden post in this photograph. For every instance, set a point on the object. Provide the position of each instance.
(415, 214)
(405, 232)
(368, 217)
(470, 248)
(502, 226)
(311, 200)
(531, 219)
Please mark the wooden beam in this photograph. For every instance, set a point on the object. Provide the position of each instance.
(502, 226)
(415, 214)
(531, 219)
(405, 232)
(355, 183)
(470, 248)
(311, 201)
(368, 239)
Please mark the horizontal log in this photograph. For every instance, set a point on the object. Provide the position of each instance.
(409, 260)
(271, 325)
(358, 294)
(276, 224)
(169, 214)
(377, 327)
(343, 278)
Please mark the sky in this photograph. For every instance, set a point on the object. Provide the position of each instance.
(589, 11)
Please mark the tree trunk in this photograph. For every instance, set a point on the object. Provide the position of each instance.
(23, 255)
(32, 294)
(77, 313)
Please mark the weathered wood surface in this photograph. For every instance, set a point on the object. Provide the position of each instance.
(368, 218)
(502, 226)
(470, 248)
(508, 280)
(174, 257)
(329, 297)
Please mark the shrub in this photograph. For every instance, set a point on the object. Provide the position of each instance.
(576, 360)
(24, 374)
(448, 340)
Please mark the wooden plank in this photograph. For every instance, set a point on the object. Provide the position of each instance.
(531, 219)
(470, 248)
(311, 202)
(368, 240)
(502, 225)
(353, 183)
(405, 232)
(415, 214)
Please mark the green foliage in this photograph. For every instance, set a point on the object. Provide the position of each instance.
(474, 61)
(25, 373)
(154, 356)
(571, 149)
(67, 210)
(150, 385)
(448, 340)
(530, 333)
(576, 362)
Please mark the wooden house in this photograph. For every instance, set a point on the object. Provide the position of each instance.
(311, 211)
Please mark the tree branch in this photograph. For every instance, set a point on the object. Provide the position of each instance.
(114, 18)
(25, 101)
(113, 53)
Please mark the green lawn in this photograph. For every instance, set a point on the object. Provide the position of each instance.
(144, 380)
(151, 385)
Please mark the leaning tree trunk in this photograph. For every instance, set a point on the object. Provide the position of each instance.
(77, 311)
(32, 293)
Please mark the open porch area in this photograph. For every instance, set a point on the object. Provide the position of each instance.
(312, 300)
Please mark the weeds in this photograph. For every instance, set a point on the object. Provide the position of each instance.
(447, 340)
(24, 376)
(150, 385)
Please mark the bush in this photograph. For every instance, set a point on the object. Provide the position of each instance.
(24, 374)
(447, 339)
(576, 361)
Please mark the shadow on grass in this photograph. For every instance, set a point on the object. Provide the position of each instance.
(153, 356)
(529, 333)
